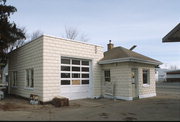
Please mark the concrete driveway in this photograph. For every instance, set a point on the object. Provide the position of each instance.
(166, 106)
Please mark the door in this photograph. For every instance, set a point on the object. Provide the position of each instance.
(75, 78)
(134, 79)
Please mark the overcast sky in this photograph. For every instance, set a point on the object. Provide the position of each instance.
(126, 22)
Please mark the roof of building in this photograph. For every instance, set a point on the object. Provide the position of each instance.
(49, 36)
(173, 35)
(177, 71)
(121, 54)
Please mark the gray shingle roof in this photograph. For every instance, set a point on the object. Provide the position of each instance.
(173, 35)
(121, 54)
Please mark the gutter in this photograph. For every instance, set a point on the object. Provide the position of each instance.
(130, 59)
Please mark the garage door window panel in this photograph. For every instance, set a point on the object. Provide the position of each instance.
(85, 75)
(85, 69)
(65, 61)
(75, 68)
(85, 81)
(65, 68)
(65, 75)
(65, 82)
(75, 62)
(75, 75)
(86, 63)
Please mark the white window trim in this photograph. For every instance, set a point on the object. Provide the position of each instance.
(14, 86)
(146, 85)
(107, 77)
(148, 78)
(29, 87)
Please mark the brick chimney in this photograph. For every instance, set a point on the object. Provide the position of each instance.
(110, 45)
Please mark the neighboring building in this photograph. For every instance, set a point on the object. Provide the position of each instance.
(161, 74)
(173, 76)
(50, 67)
(173, 35)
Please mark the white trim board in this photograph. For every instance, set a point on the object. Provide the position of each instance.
(129, 59)
(118, 97)
(124, 98)
(147, 95)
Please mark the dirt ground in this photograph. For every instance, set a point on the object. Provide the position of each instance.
(164, 107)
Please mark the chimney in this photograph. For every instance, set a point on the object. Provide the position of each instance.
(134, 46)
(110, 45)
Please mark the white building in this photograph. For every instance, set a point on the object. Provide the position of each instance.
(161, 74)
(50, 67)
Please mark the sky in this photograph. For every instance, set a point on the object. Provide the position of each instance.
(126, 22)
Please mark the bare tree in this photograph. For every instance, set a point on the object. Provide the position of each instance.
(173, 67)
(84, 38)
(73, 33)
(36, 34)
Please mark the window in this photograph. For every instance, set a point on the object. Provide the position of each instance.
(75, 68)
(85, 81)
(76, 62)
(75, 75)
(85, 75)
(74, 71)
(85, 63)
(65, 61)
(107, 76)
(65, 75)
(85, 69)
(14, 78)
(65, 82)
(65, 68)
(145, 76)
(30, 78)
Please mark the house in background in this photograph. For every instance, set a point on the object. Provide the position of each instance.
(173, 35)
(50, 67)
(161, 74)
(173, 76)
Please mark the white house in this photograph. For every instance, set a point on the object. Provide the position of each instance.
(50, 67)
(173, 75)
(161, 74)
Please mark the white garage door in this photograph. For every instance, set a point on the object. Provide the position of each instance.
(75, 78)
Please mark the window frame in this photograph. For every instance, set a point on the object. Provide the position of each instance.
(14, 78)
(107, 77)
(73, 73)
(29, 78)
(147, 77)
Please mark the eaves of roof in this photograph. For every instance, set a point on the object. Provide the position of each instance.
(130, 59)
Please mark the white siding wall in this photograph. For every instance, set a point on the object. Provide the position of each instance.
(43, 54)
(121, 76)
(145, 90)
(27, 56)
(54, 48)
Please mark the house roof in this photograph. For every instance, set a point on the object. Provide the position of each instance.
(173, 71)
(121, 54)
(173, 35)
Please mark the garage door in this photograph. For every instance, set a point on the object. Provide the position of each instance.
(75, 78)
